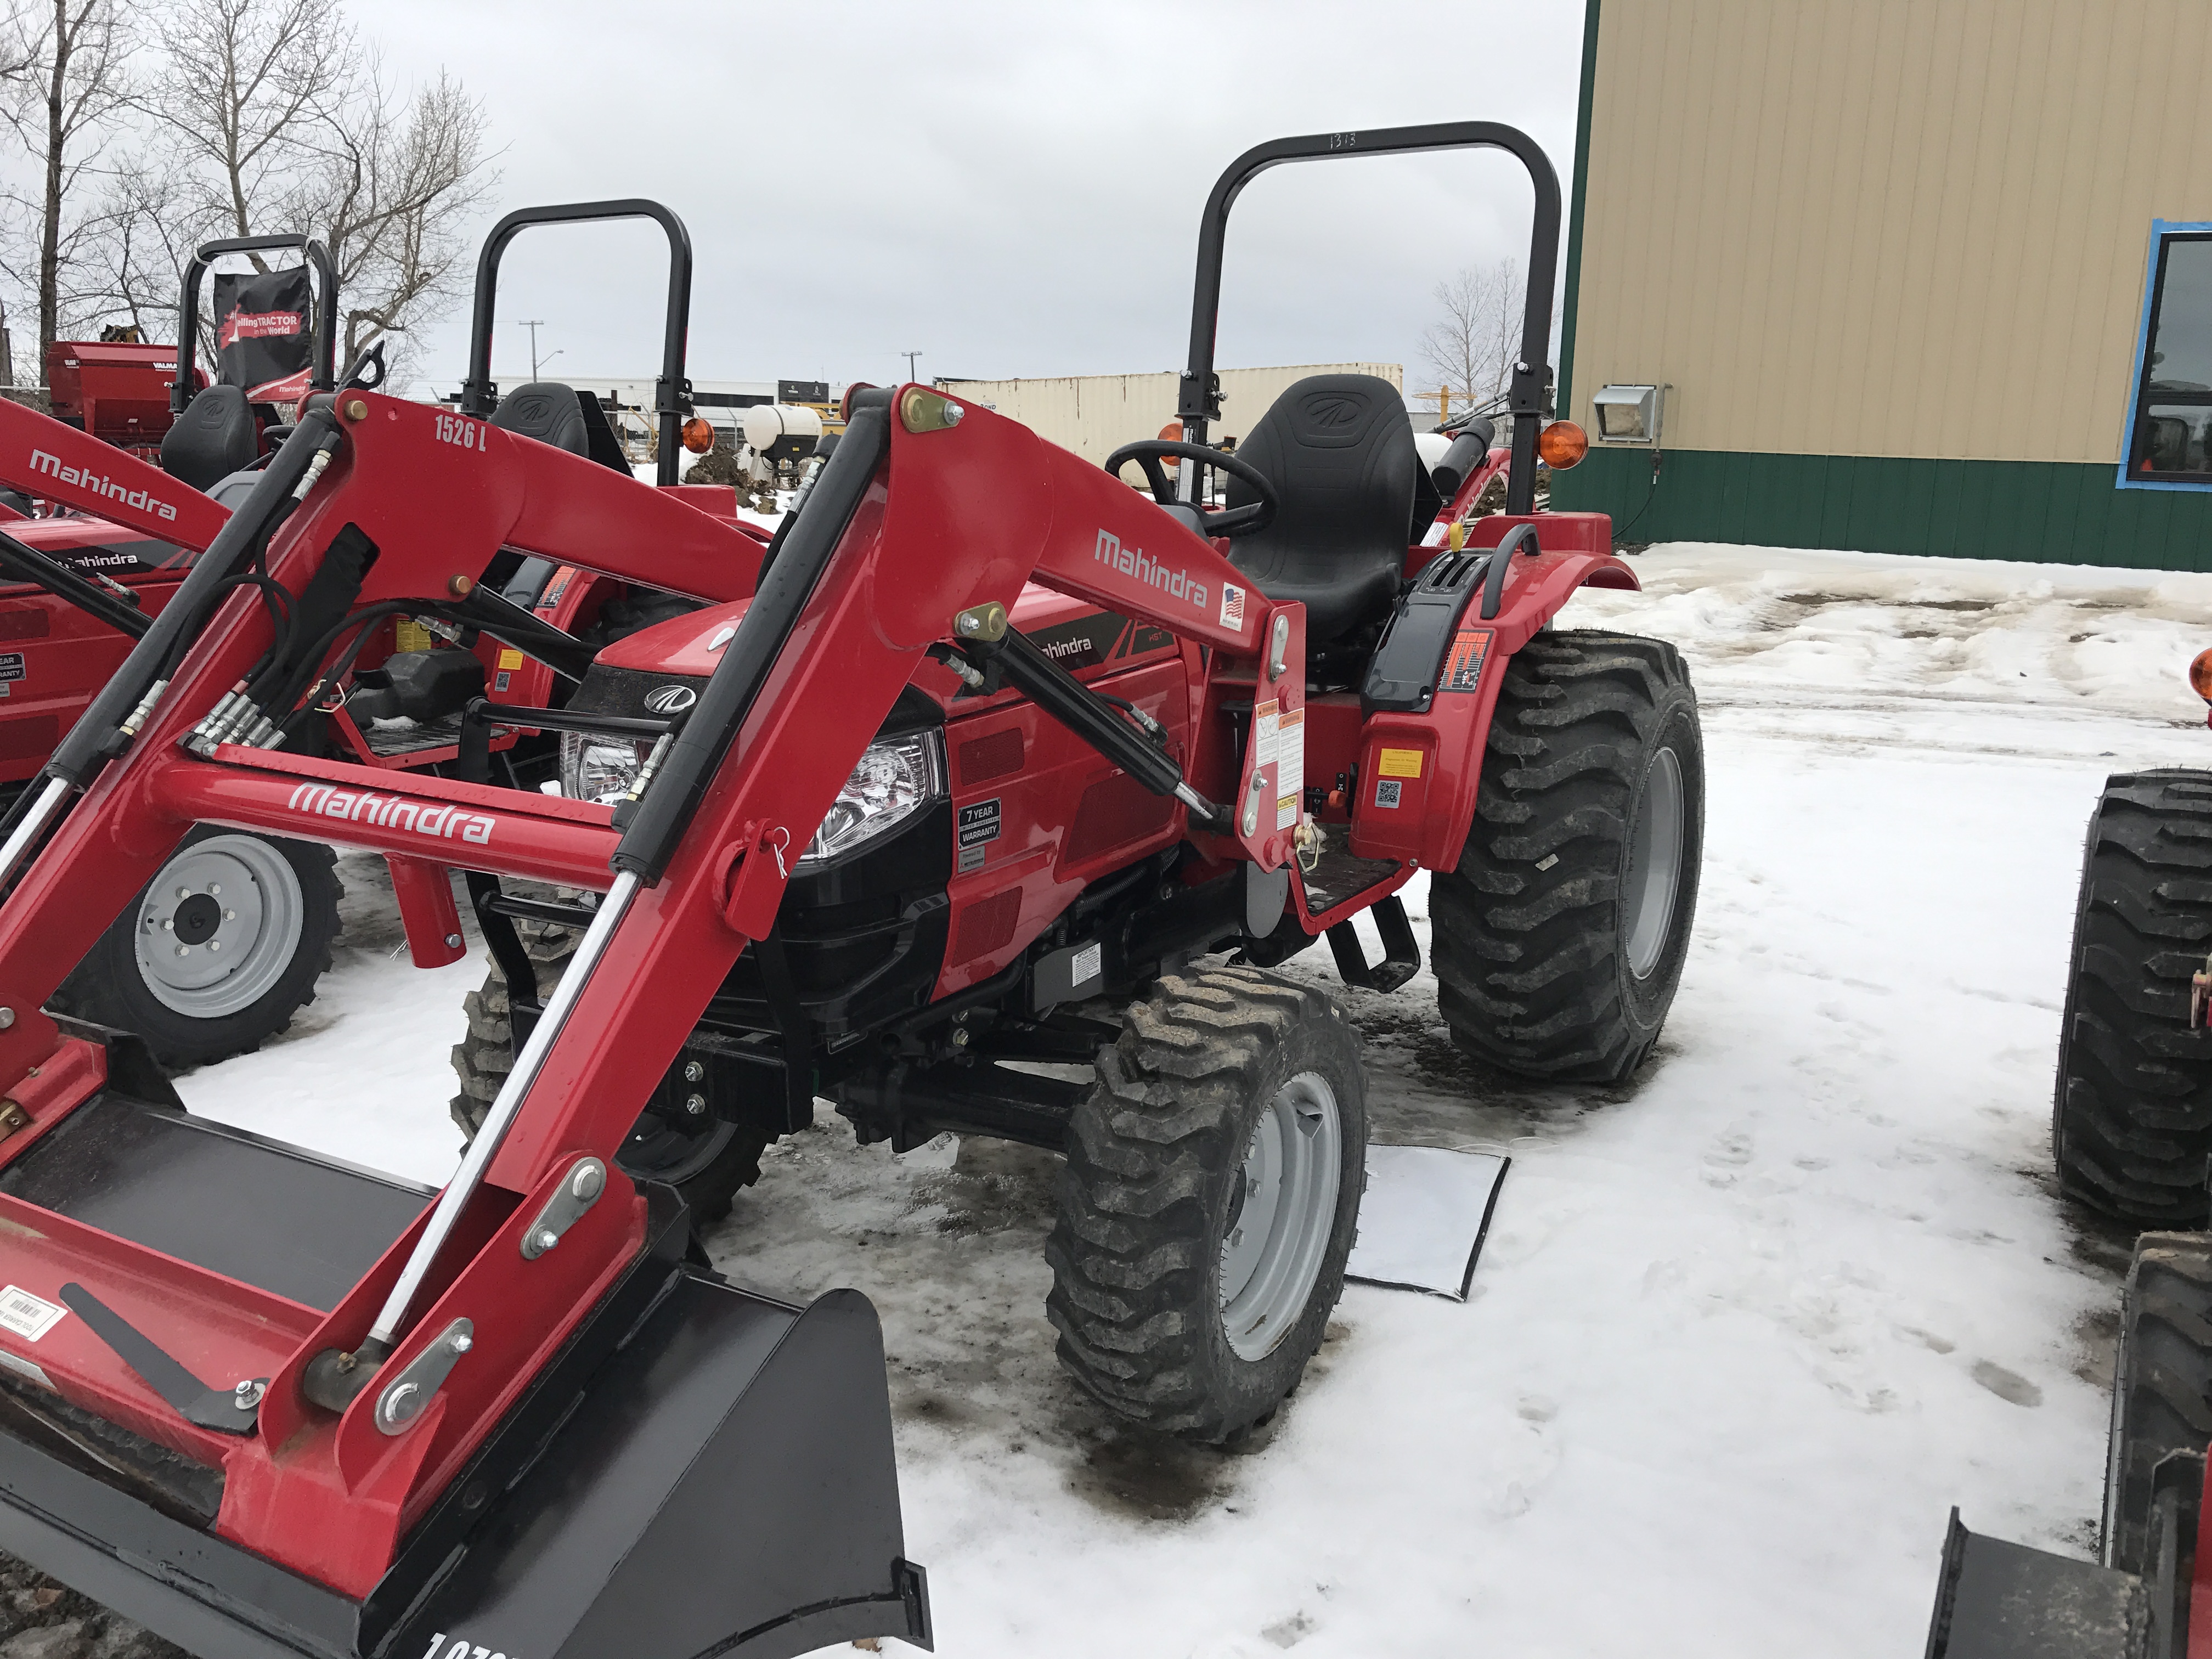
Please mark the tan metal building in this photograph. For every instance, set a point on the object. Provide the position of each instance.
(1915, 276)
(1094, 415)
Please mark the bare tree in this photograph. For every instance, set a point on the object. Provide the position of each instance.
(65, 68)
(399, 176)
(1474, 344)
(245, 85)
(285, 122)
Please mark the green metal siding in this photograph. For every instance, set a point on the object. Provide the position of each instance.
(2053, 512)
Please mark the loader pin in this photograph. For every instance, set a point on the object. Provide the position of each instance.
(984, 623)
(412, 1390)
(579, 1190)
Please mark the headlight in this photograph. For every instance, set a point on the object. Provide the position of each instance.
(599, 769)
(895, 779)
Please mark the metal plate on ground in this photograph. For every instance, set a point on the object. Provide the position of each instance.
(1426, 1213)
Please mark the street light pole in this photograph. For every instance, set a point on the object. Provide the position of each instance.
(533, 323)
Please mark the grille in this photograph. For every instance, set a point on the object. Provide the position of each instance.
(984, 758)
(986, 924)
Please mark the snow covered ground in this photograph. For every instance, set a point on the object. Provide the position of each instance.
(1742, 1331)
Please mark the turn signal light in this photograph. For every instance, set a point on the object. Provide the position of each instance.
(698, 434)
(2200, 674)
(1561, 444)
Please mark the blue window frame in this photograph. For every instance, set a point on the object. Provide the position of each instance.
(2168, 442)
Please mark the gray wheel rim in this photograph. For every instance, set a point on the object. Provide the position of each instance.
(1654, 864)
(219, 926)
(1282, 1217)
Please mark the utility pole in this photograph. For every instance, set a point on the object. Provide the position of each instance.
(910, 356)
(533, 323)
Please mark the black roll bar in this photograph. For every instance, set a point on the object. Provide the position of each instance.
(1199, 400)
(671, 399)
(324, 376)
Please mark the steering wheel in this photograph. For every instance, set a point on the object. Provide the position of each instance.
(1231, 521)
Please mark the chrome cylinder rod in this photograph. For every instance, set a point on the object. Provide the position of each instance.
(485, 1146)
(51, 801)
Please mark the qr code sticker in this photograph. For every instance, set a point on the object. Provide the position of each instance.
(1387, 791)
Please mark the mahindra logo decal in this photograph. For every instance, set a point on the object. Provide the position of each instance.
(670, 699)
(320, 800)
(85, 478)
(1132, 562)
(1334, 408)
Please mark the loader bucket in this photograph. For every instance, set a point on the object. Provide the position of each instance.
(2002, 1601)
(698, 1470)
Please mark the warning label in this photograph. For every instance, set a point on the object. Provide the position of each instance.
(1463, 664)
(1290, 766)
(1398, 764)
(509, 661)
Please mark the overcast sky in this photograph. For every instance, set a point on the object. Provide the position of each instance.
(1011, 189)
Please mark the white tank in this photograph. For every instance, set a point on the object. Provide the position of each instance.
(782, 432)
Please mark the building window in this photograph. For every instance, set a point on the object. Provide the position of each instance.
(2170, 434)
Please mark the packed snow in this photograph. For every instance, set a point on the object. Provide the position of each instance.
(1743, 1330)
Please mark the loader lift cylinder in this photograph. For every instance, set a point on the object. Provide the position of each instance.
(1530, 388)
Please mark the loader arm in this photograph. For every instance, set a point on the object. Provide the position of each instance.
(905, 530)
(40, 456)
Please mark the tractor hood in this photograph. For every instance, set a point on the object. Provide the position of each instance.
(1082, 637)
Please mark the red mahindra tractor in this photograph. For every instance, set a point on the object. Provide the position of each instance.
(2132, 1139)
(227, 943)
(990, 761)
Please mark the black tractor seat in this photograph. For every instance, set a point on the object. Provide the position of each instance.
(1348, 479)
(568, 419)
(214, 438)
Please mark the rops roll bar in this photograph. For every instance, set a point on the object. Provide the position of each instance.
(1200, 398)
(671, 399)
(325, 374)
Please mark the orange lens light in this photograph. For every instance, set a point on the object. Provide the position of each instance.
(2200, 674)
(1561, 444)
(699, 434)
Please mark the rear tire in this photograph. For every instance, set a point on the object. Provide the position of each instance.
(2131, 1122)
(707, 1168)
(272, 905)
(1209, 1201)
(2161, 1384)
(1559, 939)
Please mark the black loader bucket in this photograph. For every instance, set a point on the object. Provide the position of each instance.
(698, 1471)
(2001, 1600)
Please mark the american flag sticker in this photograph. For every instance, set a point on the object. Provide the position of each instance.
(1232, 606)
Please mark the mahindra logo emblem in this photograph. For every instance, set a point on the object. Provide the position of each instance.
(670, 699)
(1333, 410)
(100, 484)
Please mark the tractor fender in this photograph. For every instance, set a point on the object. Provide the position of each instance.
(1419, 772)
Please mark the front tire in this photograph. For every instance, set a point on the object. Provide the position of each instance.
(2131, 1122)
(1559, 939)
(2161, 1386)
(1209, 1201)
(707, 1161)
(218, 952)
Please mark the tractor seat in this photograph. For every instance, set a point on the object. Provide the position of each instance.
(1340, 450)
(214, 438)
(548, 411)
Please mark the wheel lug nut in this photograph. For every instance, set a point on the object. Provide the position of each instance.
(230, 915)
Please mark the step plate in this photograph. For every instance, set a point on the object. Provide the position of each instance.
(252, 1209)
